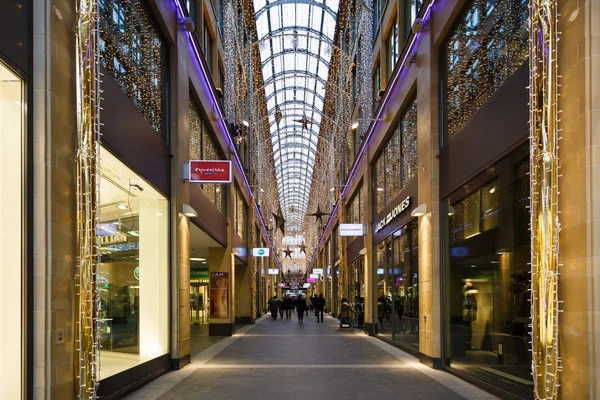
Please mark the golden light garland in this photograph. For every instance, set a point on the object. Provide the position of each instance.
(545, 226)
(86, 342)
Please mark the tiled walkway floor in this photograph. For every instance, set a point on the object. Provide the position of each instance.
(284, 360)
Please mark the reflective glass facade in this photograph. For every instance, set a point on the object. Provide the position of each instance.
(487, 281)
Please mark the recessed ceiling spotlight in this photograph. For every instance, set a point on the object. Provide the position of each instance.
(122, 206)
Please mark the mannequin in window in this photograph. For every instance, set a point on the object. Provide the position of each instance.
(469, 303)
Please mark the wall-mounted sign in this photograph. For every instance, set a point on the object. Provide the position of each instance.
(136, 273)
(283, 285)
(351, 230)
(318, 271)
(210, 171)
(314, 276)
(393, 214)
(273, 271)
(260, 252)
(306, 285)
(380, 271)
(311, 280)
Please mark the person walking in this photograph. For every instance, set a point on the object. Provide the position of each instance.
(281, 305)
(301, 308)
(287, 305)
(319, 305)
(273, 306)
(345, 314)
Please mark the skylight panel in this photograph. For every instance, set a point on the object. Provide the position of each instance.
(275, 18)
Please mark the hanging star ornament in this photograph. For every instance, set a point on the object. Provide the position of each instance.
(319, 214)
(303, 248)
(304, 121)
(288, 252)
(279, 220)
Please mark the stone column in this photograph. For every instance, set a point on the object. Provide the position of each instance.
(370, 305)
(579, 199)
(428, 176)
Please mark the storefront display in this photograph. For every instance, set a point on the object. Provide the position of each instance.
(397, 287)
(133, 276)
(487, 284)
(12, 232)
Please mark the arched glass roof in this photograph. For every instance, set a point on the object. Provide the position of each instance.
(295, 39)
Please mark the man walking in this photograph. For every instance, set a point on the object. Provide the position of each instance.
(319, 304)
(301, 308)
(273, 306)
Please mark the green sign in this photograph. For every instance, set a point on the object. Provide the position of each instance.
(136, 272)
(198, 273)
(261, 252)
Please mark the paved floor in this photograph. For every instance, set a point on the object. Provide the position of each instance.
(286, 360)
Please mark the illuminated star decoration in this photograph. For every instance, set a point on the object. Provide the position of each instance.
(303, 248)
(318, 214)
(304, 121)
(279, 220)
(288, 252)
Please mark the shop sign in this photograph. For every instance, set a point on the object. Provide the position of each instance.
(380, 271)
(311, 280)
(198, 273)
(306, 285)
(260, 252)
(210, 171)
(352, 230)
(315, 276)
(136, 273)
(396, 211)
(273, 271)
(283, 285)
(318, 271)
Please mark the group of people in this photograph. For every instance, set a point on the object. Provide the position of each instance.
(301, 304)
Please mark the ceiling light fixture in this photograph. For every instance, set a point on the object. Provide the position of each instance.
(493, 190)
(122, 206)
(246, 123)
(197, 259)
(137, 187)
(380, 189)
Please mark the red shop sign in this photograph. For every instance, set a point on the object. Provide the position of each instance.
(203, 171)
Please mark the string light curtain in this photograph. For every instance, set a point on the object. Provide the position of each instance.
(545, 225)
(88, 135)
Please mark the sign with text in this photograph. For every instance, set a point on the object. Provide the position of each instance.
(210, 171)
(273, 271)
(306, 285)
(404, 204)
(352, 230)
(311, 280)
(314, 276)
(318, 271)
(219, 295)
(260, 252)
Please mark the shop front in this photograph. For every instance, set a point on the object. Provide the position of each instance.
(487, 276)
(396, 256)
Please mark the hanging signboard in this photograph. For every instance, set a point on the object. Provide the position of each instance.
(311, 280)
(273, 271)
(314, 276)
(260, 252)
(352, 230)
(219, 295)
(210, 171)
(306, 285)
(318, 271)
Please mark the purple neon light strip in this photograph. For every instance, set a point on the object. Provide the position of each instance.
(370, 132)
(221, 119)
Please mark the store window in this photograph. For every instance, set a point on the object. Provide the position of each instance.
(397, 163)
(490, 42)
(207, 46)
(393, 47)
(12, 134)
(357, 290)
(412, 10)
(355, 208)
(133, 278)
(397, 291)
(487, 288)
(133, 52)
(203, 147)
(241, 215)
(376, 86)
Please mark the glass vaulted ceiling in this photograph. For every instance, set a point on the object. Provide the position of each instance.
(294, 42)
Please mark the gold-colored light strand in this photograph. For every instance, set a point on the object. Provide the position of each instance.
(545, 227)
(87, 351)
